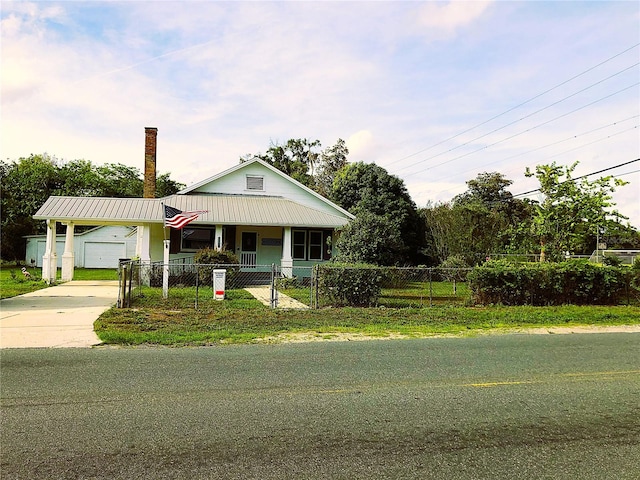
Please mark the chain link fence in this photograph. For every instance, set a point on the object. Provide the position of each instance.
(320, 286)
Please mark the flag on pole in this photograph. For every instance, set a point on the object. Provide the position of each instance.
(175, 218)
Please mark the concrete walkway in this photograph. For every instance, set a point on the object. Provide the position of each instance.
(263, 293)
(55, 317)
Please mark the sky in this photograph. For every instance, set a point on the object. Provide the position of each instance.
(434, 92)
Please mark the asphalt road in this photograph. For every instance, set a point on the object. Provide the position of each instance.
(515, 406)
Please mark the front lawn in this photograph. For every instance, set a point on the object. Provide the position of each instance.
(13, 282)
(242, 319)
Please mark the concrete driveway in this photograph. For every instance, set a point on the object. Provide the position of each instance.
(56, 317)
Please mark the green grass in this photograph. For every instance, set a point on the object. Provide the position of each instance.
(242, 319)
(13, 282)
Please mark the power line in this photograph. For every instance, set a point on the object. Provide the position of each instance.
(516, 121)
(532, 128)
(519, 105)
(584, 176)
(573, 137)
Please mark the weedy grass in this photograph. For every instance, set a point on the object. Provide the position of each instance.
(13, 282)
(242, 319)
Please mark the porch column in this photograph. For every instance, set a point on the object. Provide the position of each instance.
(68, 257)
(287, 260)
(217, 243)
(49, 259)
(143, 243)
(143, 252)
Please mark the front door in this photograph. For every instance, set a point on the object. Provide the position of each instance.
(249, 253)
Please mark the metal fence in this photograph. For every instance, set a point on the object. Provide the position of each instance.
(311, 287)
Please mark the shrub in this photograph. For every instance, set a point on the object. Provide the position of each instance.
(612, 260)
(356, 285)
(571, 282)
(213, 259)
(454, 269)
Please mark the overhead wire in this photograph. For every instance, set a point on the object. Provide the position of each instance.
(572, 137)
(583, 176)
(532, 128)
(513, 123)
(521, 104)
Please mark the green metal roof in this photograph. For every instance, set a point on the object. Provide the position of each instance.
(222, 209)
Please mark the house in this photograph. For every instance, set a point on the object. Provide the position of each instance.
(98, 247)
(254, 209)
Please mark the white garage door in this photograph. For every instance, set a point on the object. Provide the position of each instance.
(103, 255)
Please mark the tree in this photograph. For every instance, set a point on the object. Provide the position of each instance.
(332, 159)
(371, 238)
(571, 211)
(366, 187)
(492, 217)
(297, 158)
(28, 182)
(25, 187)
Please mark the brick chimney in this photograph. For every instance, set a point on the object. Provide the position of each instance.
(150, 162)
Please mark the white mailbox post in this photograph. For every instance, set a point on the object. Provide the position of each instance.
(219, 279)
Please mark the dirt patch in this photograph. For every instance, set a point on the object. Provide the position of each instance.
(304, 337)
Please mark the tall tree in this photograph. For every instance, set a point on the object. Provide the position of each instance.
(332, 159)
(366, 187)
(571, 210)
(297, 158)
(491, 216)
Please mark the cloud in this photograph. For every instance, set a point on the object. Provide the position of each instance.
(222, 79)
(447, 17)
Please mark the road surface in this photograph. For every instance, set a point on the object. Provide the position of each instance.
(513, 406)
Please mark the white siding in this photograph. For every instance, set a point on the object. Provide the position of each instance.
(275, 185)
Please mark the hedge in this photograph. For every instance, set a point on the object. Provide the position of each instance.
(356, 285)
(571, 282)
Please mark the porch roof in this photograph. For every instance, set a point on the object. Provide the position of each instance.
(222, 209)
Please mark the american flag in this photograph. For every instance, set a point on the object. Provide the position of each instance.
(175, 218)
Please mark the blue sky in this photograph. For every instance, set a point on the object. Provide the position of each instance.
(435, 92)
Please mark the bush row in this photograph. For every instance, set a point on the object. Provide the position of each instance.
(571, 282)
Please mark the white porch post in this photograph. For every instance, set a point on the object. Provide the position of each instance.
(143, 243)
(218, 240)
(68, 258)
(49, 259)
(143, 252)
(287, 260)
(165, 269)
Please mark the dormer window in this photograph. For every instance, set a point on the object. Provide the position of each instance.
(255, 183)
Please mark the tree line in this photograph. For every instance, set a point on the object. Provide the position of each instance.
(27, 183)
(388, 229)
(487, 219)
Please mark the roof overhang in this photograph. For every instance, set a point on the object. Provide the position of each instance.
(221, 210)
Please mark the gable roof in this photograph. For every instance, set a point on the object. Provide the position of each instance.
(273, 169)
(222, 209)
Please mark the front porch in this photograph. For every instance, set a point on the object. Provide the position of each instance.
(257, 247)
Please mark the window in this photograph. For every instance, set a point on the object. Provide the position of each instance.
(255, 182)
(315, 245)
(197, 238)
(299, 244)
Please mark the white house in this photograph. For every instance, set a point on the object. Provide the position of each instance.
(98, 247)
(252, 208)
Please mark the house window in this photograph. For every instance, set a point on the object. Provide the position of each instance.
(299, 244)
(315, 245)
(255, 182)
(197, 238)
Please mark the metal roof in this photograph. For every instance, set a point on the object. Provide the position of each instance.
(222, 209)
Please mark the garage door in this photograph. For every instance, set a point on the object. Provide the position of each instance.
(103, 255)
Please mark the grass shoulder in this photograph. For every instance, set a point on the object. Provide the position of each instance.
(242, 319)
